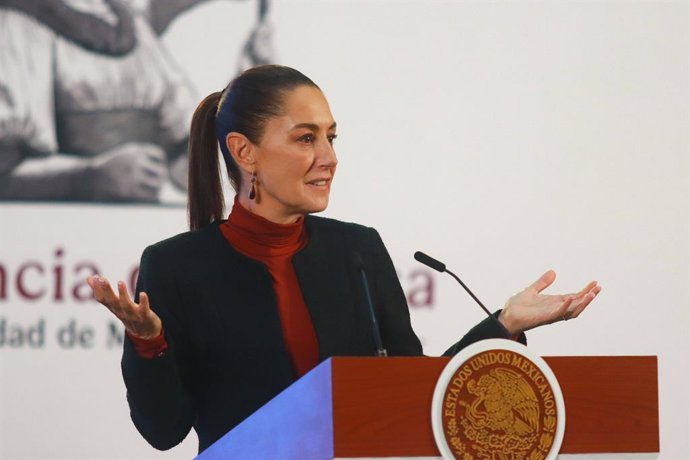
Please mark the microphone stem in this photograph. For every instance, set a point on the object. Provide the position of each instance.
(380, 351)
(507, 334)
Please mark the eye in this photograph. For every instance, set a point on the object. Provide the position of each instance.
(307, 138)
(331, 138)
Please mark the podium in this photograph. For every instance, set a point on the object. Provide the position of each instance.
(381, 407)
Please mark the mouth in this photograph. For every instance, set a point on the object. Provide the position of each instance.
(319, 182)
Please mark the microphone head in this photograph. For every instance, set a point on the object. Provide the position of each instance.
(430, 261)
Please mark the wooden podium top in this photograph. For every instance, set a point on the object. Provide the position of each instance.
(381, 407)
(611, 405)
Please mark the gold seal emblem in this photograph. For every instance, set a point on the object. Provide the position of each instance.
(498, 404)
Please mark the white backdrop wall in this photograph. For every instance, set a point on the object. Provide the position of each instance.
(506, 138)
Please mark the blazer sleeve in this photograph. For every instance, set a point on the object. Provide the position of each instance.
(487, 329)
(394, 316)
(159, 389)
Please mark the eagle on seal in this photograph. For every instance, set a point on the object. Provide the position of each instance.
(505, 402)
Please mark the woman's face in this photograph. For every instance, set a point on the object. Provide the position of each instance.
(295, 161)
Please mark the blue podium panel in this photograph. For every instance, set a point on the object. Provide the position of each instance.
(298, 423)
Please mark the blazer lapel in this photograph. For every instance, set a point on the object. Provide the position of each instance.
(323, 272)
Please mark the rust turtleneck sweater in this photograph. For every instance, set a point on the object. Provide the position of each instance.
(274, 245)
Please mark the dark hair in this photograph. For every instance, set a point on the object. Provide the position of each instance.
(243, 106)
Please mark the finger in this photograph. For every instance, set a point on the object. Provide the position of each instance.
(153, 177)
(93, 283)
(146, 193)
(586, 300)
(150, 172)
(155, 170)
(560, 314)
(575, 312)
(104, 294)
(153, 153)
(109, 295)
(544, 281)
(155, 157)
(150, 182)
(141, 192)
(148, 324)
(586, 289)
(128, 305)
(130, 314)
(144, 302)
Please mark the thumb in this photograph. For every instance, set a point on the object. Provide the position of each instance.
(544, 281)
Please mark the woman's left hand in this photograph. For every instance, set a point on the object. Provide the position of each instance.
(529, 308)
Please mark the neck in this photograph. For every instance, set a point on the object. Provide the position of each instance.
(267, 212)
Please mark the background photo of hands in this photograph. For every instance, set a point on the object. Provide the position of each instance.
(505, 138)
(99, 110)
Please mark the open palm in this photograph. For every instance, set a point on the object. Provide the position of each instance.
(530, 308)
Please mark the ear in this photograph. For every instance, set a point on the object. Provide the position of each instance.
(242, 151)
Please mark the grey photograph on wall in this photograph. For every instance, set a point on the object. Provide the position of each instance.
(93, 106)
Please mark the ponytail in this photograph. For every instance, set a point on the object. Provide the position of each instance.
(205, 201)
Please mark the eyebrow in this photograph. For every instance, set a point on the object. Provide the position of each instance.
(311, 126)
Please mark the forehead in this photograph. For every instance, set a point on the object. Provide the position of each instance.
(306, 104)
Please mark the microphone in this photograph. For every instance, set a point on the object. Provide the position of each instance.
(441, 267)
(430, 261)
(359, 265)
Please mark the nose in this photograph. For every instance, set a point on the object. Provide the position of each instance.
(325, 155)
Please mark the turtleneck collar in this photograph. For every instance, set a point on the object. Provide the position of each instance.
(260, 238)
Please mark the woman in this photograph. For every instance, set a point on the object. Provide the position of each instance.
(229, 314)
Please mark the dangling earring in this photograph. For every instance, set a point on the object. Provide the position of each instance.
(252, 189)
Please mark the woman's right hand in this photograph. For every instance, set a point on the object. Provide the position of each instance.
(139, 320)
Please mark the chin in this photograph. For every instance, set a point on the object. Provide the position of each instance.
(317, 206)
